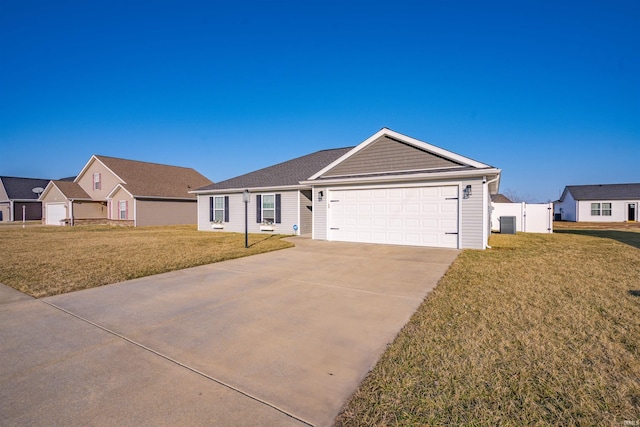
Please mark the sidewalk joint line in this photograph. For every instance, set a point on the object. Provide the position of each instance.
(157, 353)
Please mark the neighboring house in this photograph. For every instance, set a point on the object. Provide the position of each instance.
(598, 203)
(390, 189)
(18, 195)
(127, 192)
(500, 198)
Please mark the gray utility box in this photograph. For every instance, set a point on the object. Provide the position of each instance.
(507, 225)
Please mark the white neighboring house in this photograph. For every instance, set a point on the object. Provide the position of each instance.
(598, 203)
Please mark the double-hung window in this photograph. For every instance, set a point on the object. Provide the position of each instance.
(598, 209)
(269, 208)
(96, 181)
(122, 208)
(218, 208)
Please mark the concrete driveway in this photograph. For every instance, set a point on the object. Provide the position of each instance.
(282, 338)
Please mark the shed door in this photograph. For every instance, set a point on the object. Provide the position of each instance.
(416, 216)
(56, 212)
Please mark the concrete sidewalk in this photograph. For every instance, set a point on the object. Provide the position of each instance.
(9, 295)
(282, 338)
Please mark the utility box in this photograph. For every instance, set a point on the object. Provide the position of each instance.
(507, 225)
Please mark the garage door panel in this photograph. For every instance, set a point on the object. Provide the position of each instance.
(412, 216)
(55, 212)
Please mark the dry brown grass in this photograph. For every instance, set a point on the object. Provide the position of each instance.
(540, 330)
(44, 261)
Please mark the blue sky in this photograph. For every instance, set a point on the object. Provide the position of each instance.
(548, 91)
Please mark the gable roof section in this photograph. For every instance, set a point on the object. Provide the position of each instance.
(603, 192)
(22, 188)
(285, 174)
(154, 180)
(388, 152)
(500, 198)
(69, 189)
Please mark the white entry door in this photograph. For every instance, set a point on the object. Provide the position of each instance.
(55, 212)
(416, 216)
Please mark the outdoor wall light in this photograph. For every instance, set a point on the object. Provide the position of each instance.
(466, 192)
(320, 195)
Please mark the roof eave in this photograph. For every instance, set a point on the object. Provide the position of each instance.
(300, 186)
(407, 178)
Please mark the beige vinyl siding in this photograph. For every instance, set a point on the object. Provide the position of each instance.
(107, 179)
(117, 197)
(89, 210)
(289, 212)
(5, 208)
(471, 221)
(388, 155)
(164, 212)
(320, 214)
(3, 193)
(306, 211)
(54, 195)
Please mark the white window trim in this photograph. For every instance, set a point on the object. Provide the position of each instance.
(596, 211)
(96, 181)
(262, 209)
(606, 212)
(221, 210)
(120, 210)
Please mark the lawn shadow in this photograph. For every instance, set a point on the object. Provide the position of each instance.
(269, 237)
(630, 238)
(634, 293)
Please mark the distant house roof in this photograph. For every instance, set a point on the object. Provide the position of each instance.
(500, 198)
(22, 188)
(603, 192)
(288, 173)
(143, 179)
(71, 190)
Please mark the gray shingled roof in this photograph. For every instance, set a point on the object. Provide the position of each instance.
(605, 192)
(144, 179)
(283, 174)
(22, 188)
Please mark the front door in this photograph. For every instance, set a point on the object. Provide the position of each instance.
(631, 212)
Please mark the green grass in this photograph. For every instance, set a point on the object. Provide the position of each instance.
(44, 261)
(539, 330)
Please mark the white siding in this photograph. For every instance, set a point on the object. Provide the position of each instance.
(619, 210)
(289, 213)
(566, 208)
(320, 214)
(471, 221)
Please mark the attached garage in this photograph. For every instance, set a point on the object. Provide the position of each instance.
(55, 213)
(416, 216)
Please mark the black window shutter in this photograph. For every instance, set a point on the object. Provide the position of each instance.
(278, 214)
(226, 208)
(211, 215)
(258, 208)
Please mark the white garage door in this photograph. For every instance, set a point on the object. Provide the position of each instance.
(55, 213)
(417, 216)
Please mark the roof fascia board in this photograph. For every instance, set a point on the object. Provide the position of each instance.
(251, 189)
(163, 198)
(406, 139)
(50, 185)
(95, 158)
(414, 177)
(115, 189)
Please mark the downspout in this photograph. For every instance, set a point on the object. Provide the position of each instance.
(486, 201)
(71, 213)
(13, 216)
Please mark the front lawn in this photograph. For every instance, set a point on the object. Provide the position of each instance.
(43, 261)
(539, 330)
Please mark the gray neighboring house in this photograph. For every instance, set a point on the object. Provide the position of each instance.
(598, 203)
(18, 192)
(389, 189)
